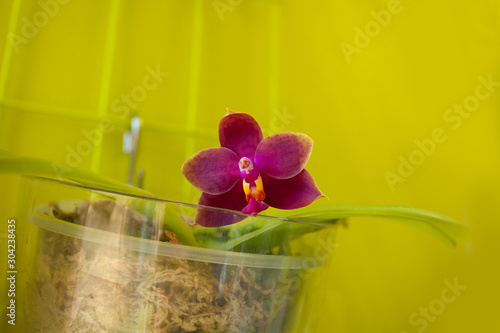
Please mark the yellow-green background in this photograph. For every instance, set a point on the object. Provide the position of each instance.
(267, 57)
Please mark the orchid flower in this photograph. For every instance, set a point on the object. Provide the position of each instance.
(249, 173)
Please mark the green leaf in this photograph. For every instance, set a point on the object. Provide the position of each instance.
(443, 227)
(227, 237)
(281, 234)
(48, 169)
(253, 235)
(11, 163)
(256, 234)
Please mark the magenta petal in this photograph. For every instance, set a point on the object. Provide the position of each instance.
(240, 133)
(212, 170)
(295, 192)
(283, 155)
(234, 199)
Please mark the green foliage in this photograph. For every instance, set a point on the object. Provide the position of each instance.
(11, 163)
(250, 234)
(253, 235)
(443, 227)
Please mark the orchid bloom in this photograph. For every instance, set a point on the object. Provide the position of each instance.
(249, 173)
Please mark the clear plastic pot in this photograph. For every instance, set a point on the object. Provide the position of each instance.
(92, 260)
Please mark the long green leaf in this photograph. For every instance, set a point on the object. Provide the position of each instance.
(443, 227)
(11, 163)
(43, 168)
(240, 237)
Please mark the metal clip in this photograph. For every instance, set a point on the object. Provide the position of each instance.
(130, 146)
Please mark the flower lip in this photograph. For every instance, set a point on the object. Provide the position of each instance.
(254, 207)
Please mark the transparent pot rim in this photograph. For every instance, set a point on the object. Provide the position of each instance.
(178, 251)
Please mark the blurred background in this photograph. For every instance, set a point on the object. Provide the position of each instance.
(402, 99)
